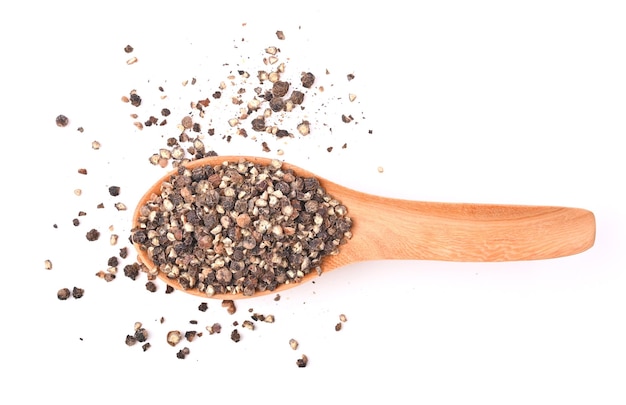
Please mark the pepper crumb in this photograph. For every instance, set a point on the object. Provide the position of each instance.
(173, 337)
(141, 334)
(135, 99)
(150, 286)
(307, 79)
(128, 49)
(215, 328)
(114, 191)
(235, 336)
(230, 306)
(78, 292)
(303, 361)
(92, 235)
(63, 294)
(203, 307)
(131, 271)
(182, 353)
(130, 340)
(62, 121)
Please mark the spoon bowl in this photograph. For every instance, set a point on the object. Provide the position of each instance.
(388, 228)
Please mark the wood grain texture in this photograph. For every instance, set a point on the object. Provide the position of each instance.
(387, 228)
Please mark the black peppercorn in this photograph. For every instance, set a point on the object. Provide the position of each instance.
(135, 99)
(62, 120)
(307, 79)
(78, 292)
(63, 294)
(93, 235)
(280, 88)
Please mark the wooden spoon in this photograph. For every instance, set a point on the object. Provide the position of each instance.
(388, 228)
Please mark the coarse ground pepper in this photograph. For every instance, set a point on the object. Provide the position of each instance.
(240, 227)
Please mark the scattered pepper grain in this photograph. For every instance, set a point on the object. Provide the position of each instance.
(173, 337)
(114, 191)
(307, 79)
(303, 361)
(62, 121)
(230, 306)
(182, 353)
(93, 235)
(78, 292)
(130, 340)
(63, 294)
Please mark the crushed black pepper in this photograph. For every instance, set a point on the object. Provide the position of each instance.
(63, 294)
(62, 121)
(78, 292)
(135, 99)
(132, 271)
(114, 191)
(93, 235)
(279, 231)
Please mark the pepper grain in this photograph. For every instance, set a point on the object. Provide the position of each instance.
(92, 235)
(78, 292)
(62, 121)
(63, 294)
(303, 361)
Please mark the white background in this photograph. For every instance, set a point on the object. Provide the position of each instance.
(466, 101)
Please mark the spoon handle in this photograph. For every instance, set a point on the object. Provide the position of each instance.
(386, 228)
